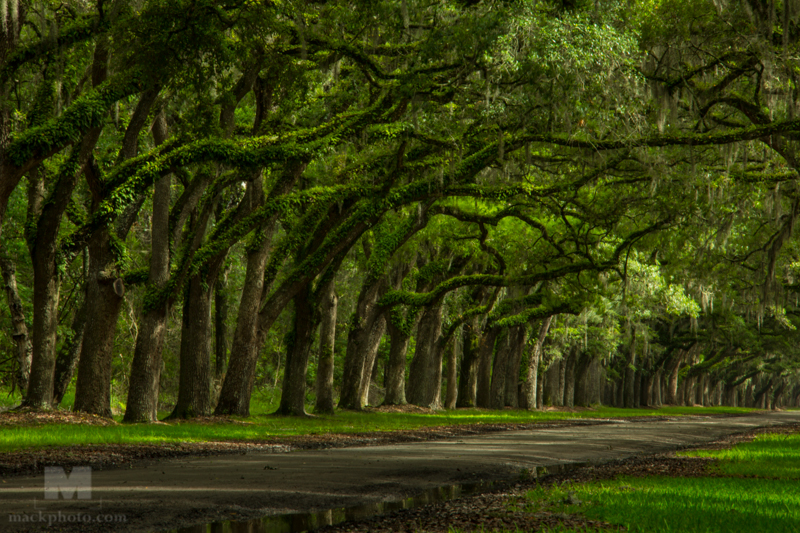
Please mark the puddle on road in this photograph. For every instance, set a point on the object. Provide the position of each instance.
(299, 522)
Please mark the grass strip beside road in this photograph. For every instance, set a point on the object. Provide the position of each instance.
(753, 488)
(264, 427)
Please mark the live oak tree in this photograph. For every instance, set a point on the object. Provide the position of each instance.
(494, 183)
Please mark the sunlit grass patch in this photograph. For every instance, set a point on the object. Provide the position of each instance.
(770, 455)
(665, 504)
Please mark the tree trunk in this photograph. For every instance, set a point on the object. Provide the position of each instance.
(422, 387)
(672, 379)
(562, 381)
(569, 378)
(396, 369)
(359, 341)
(67, 359)
(194, 382)
(533, 385)
(143, 387)
(293, 391)
(497, 390)
(237, 387)
(452, 377)
(104, 287)
(540, 389)
(629, 399)
(20, 332)
(327, 337)
(646, 399)
(586, 383)
(485, 355)
(468, 375)
(370, 359)
(220, 325)
(700, 387)
(513, 384)
(551, 387)
(104, 297)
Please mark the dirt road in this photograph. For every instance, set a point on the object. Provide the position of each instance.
(169, 494)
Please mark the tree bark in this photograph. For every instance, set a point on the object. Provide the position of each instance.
(220, 325)
(293, 391)
(104, 297)
(359, 341)
(562, 381)
(629, 398)
(497, 388)
(533, 385)
(396, 369)
(67, 359)
(46, 280)
(468, 381)
(586, 382)
(104, 287)
(672, 379)
(20, 333)
(513, 383)
(143, 387)
(485, 355)
(451, 395)
(423, 385)
(370, 359)
(327, 336)
(194, 381)
(569, 378)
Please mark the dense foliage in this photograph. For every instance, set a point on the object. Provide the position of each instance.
(459, 203)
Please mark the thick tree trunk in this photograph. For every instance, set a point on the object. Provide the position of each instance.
(513, 383)
(220, 325)
(327, 337)
(20, 332)
(586, 383)
(104, 287)
(672, 379)
(194, 381)
(143, 387)
(67, 359)
(451, 395)
(293, 391)
(562, 381)
(468, 375)
(104, 297)
(423, 386)
(646, 399)
(497, 390)
(237, 387)
(700, 388)
(551, 384)
(370, 359)
(533, 385)
(485, 356)
(396, 368)
(629, 399)
(569, 378)
(359, 341)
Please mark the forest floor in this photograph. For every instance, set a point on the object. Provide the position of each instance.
(158, 494)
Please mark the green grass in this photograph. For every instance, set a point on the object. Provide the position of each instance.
(768, 500)
(261, 427)
(663, 504)
(770, 455)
